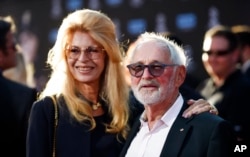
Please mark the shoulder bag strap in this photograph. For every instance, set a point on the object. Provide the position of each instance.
(55, 125)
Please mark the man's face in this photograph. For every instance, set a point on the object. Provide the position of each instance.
(147, 88)
(217, 59)
(8, 59)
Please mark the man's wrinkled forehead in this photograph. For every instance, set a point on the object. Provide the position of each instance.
(159, 45)
(149, 51)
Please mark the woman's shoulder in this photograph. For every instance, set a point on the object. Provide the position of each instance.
(44, 105)
(43, 102)
(47, 105)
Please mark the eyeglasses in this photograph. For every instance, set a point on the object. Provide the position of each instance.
(218, 53)
(154, 69)
(92, 52)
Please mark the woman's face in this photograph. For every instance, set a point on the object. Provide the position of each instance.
(85, 58)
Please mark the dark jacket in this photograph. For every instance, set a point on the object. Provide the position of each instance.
(16, 101)
(232, 101)
(247, 72)
(203, 135)
(73, 139)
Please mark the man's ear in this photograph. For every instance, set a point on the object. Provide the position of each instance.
(181, 70)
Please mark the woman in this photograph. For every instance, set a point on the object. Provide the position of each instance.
(88, 82)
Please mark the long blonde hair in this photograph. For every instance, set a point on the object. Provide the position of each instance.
(114, 88)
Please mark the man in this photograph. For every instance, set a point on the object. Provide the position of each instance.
(186, 88)
(243, 35)
(158, 68)
(15, 99)
(226, 88)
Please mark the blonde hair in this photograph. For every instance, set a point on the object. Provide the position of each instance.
(114, 89)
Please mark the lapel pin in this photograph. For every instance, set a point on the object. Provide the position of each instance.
(181, 129)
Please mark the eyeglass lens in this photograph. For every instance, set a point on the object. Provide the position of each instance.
(92, 52)
(155, 70)
(217, 53)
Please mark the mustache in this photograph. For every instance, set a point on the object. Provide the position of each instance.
(147, 83)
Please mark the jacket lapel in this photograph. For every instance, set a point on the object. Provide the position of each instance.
(176, 135)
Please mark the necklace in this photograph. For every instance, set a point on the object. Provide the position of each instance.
(96, 106)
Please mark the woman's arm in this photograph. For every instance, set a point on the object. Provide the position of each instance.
(199, 106)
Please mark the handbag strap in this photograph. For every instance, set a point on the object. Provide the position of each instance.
(55, 125)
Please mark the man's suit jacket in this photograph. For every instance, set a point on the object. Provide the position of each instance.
(247, 73)
(203, 135)
(16, 101)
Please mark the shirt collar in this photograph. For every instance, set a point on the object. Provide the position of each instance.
(170, 115)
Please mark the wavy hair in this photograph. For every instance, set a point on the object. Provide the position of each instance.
(176, 51)
(113, 88)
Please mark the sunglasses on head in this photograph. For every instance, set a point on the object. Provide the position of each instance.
(217, 53)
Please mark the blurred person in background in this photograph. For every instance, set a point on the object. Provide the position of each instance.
(226, 88)
(17, 73)
(16, 99)
(29, 43)
(24, 71)
(243, 34)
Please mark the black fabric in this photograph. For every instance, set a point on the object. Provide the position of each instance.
(198, 136)
(15, 101)
(72, 138)
(232, 101)
(247, 73)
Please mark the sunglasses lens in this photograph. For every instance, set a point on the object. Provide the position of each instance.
(217, 53)
(136, 70)
(156, 70)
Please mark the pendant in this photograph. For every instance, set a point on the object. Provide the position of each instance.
(96, 106)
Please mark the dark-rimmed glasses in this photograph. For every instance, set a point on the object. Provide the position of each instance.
(155, 69)
(92, 52)
(217, 53)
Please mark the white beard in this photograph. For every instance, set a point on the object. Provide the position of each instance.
(156, 96)
(148, 97)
